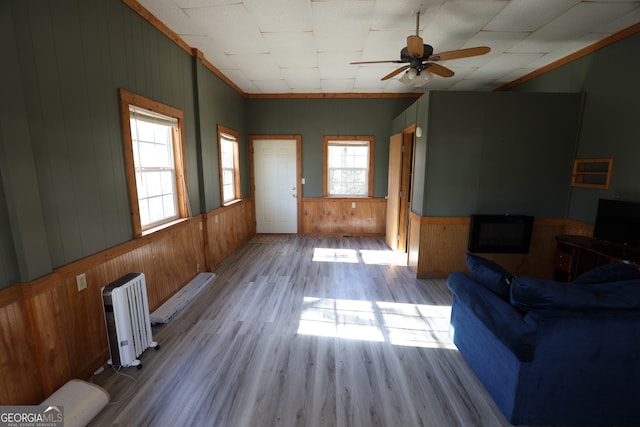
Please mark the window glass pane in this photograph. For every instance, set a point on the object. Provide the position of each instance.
(169, 205)
(167, 182)
(141, 185)
(145, 131)
(348, 165)
(163, 155)
(154, 183)
(147, 154)
(143, 206)
(156, 212)
(152, 143)
(228, 149)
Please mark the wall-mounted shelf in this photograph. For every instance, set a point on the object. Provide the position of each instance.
(592, 173)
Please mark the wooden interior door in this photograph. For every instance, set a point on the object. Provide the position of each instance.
(406, 179)
(393, 190)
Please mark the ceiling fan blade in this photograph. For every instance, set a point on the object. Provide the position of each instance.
(395, 72)
(393, 61)
(460, 53)
(439, 70)
(415, 46)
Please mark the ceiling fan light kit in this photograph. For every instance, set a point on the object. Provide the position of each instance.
(415, 78)
(421, 61)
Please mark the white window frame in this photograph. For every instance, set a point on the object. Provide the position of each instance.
(331, 143)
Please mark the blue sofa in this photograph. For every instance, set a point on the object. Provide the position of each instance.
(548, 352)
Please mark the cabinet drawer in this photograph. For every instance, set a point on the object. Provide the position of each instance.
(563, 261)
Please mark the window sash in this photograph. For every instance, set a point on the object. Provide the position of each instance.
(348, 168)
(154, 163)
(228, 167)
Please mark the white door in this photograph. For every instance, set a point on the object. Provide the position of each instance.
(274, 171)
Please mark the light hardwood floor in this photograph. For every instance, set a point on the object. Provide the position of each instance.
(305, 331)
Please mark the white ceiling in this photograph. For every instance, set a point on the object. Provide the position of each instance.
(305, 46)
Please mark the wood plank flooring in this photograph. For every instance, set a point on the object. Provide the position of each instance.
(305, 331)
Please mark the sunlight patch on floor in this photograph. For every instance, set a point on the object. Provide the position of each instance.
(414, 325)
(354, 256)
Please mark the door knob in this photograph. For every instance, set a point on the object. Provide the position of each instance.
(293, 188)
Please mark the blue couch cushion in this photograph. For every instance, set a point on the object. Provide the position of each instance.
(490, 275)
(533, 294)
(495, 313)
(613, 272)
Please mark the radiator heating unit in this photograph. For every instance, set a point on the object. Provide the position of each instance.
(126, 312)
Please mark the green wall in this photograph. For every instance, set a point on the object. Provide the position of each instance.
(314, 118)
(499, 152)
(493, 152)
(609, 127)
(218, 104)
(64, 193)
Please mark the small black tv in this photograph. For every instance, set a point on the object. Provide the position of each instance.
(617, 222)
(500, 233)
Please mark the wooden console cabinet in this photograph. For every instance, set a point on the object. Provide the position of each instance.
(578, 254)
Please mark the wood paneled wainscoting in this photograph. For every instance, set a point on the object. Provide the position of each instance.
(50, 332)
(437, 246)
(328, 216)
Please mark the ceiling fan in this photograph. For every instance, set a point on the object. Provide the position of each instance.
(422, 62)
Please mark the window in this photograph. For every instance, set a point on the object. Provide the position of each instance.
(348, 166)
(228, 162)
(154, 162)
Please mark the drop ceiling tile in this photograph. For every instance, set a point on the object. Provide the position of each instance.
(337, 65)
(244, 39)
(498, 41)
(293, 49)
(565, 50)
(502, 64)
(338, 59)
(258, 67)
(456, 22)
(528, 15)
(240, 80)
(621, 23)
(272, 86)
(231, 27)
(384, 45)
(473, 85)
(211, 51)
(277, 16)
(302, 78)
(168, 11)
(513, 75)
(439, 84)
(337, 85)
(369, 78)
(338, 73)
(341, 26)
(571, 25)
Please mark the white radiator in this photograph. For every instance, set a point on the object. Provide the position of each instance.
(126, 311)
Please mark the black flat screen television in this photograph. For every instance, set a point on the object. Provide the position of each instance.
(500, 233)
(618, 222)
